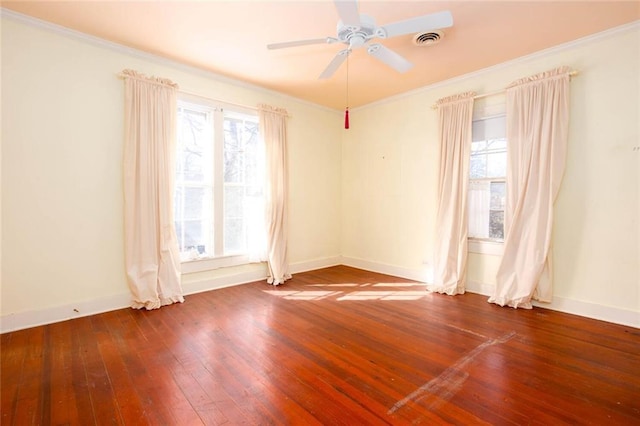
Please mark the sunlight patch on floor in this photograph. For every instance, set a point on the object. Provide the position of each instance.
(336, 285)
(366, 291)
(302, 295)
(384, 295)
(398, 285)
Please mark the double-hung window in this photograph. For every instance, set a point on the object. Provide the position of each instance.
(218, 200)
(487, 185)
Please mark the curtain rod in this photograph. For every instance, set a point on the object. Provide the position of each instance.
(141, 77)
(253, 108)
(497, 92)
(184, 92)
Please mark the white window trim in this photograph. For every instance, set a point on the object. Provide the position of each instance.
(495, 248)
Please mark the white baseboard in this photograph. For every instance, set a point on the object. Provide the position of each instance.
(572, 306)
(34, 318)
(593, 310)
(27, 319)
(311, 265)
(421, 275)
(479, 288)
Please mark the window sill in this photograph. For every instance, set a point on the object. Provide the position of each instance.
(486, 247)
(210, 263)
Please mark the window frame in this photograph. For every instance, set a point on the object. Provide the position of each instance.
(219, 259)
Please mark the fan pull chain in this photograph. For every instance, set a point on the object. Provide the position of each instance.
(346, 111)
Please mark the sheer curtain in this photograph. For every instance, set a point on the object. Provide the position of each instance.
(450, 251)
(273, 128)
(537, 128)
(152, 258)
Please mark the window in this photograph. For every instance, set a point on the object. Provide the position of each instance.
(218, 204)
(487, 185)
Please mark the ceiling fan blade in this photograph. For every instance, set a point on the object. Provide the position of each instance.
(418, 24)
(335, 63)
(348, 12)
(328, 40)
(389, 57)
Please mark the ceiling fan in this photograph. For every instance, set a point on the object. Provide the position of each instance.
(356, 30)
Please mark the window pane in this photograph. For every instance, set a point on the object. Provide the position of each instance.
(497, 164)
(193, 203)
(192, 136)
(194, 225)
(496, 224)
(497, 144)
(254, 191)
(478, 167)
(232, 166)
(234, 236)
(477, 146)
(193, 237)
(479, 197)
(232, 134)
(193, 233)
(191, 166)
(489, 128)
(498, 195)
(250, 134)
(233, 198)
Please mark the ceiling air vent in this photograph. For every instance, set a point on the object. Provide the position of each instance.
(428, 38)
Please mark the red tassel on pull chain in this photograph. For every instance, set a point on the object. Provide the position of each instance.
(346, 110)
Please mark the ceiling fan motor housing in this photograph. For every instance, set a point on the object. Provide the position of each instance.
(357, 36)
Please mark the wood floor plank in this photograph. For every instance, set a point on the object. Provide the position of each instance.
(125, 397)
(129, 341)
(81, 333)
(332, 346)
(29, 397)
(63, 408)
(12, 355)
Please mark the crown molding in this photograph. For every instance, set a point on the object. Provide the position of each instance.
(160, 60)
(522, 59)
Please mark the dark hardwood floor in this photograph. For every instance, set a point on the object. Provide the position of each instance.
(334, 346)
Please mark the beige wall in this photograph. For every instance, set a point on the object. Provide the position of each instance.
(62, 132)
(390, 161)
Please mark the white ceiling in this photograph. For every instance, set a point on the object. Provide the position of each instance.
(230, 38)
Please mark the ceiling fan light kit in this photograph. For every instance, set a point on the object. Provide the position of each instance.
(356, 30)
